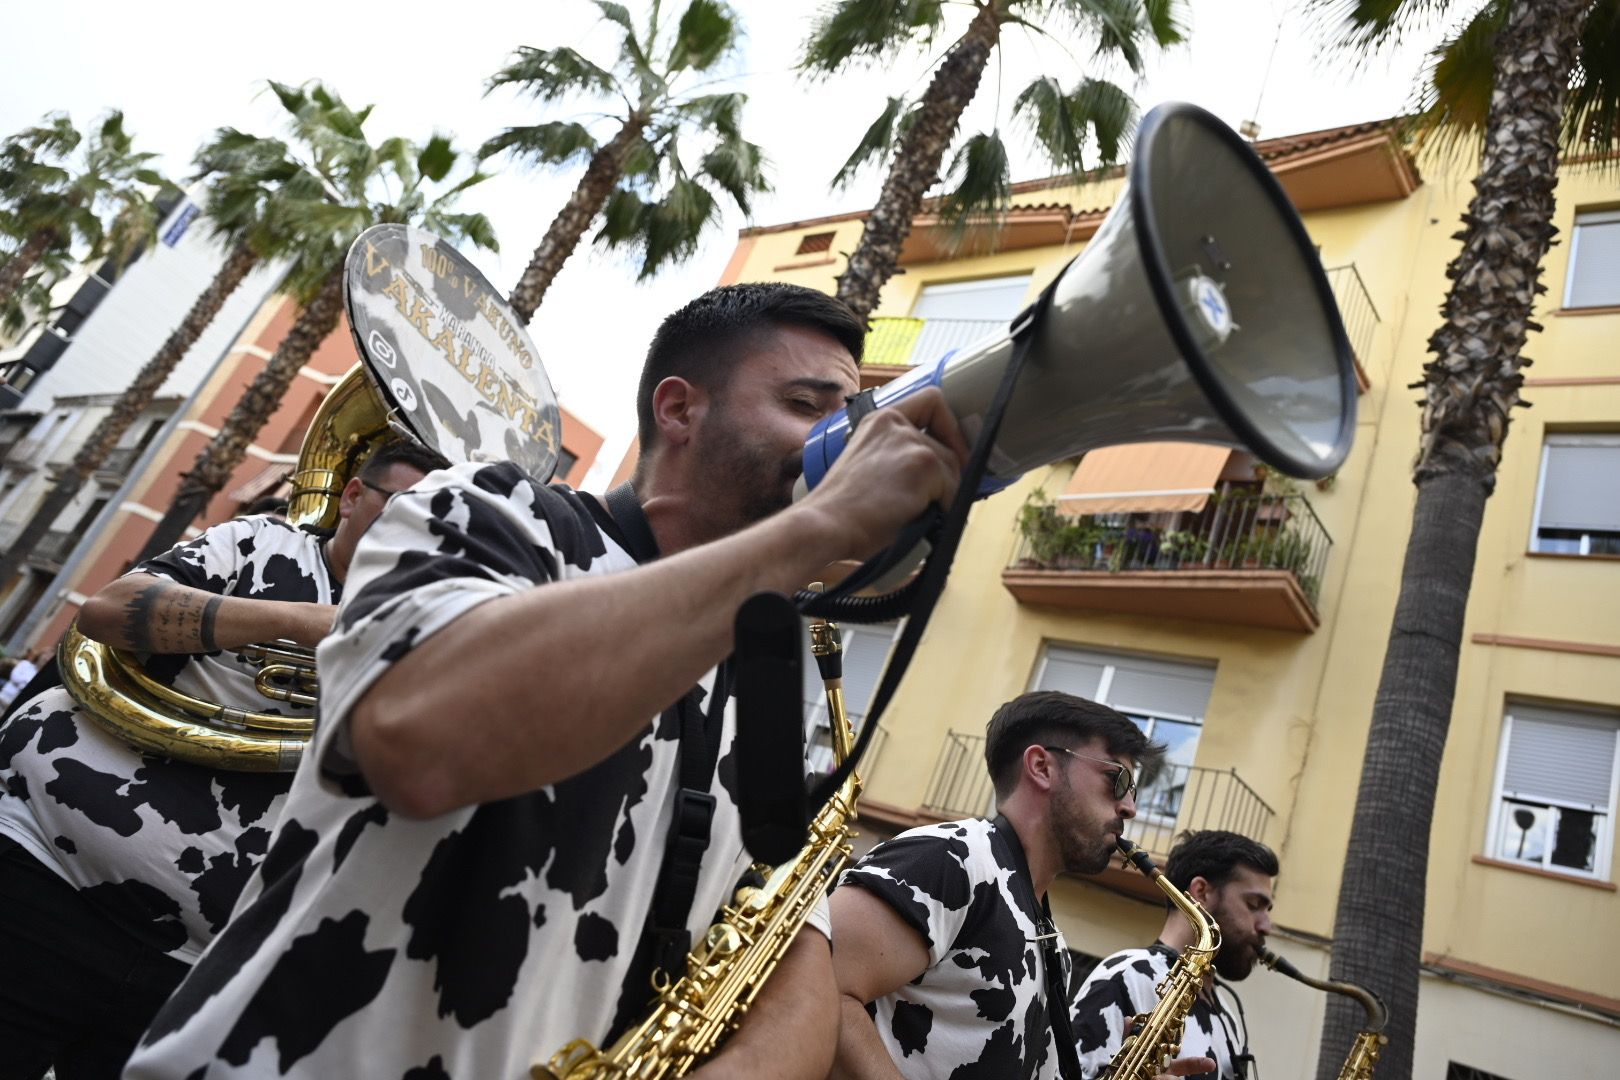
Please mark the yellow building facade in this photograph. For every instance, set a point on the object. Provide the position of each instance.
(1245, 619)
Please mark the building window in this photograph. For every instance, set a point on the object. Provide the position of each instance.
(1578, 498)
(961, 312)
(1166, 699)
(1555, 790)
(815, 243)
(1594, 261)
(1457, 1071)
(566, 460)
(866, 650)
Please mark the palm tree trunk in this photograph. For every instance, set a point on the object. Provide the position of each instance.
(917, 162)
(1471, 385)
(214, 465)
(130, 405)
(564, 233)
(17, 267)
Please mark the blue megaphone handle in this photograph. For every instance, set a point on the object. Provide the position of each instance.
(830, 435)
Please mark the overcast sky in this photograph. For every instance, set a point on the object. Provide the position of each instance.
(183, 68)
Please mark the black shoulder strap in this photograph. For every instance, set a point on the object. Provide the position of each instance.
(1057, 991)
(665, 939)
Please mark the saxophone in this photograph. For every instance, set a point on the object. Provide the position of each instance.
(1369, 1041)
(727, 970)
(1156, 1039)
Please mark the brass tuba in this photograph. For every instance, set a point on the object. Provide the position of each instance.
(114, 689)
(1369, 1041)
(1156, 1039)
(726, 972)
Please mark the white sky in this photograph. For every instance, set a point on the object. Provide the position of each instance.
(183, 68)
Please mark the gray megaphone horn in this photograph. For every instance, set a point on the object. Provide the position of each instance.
(1198, 313)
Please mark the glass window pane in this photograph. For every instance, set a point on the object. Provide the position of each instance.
(1522, 832)
(1575, 839)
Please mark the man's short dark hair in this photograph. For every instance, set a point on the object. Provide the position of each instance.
(704, 340)
(1215, 855)
(400, 452)
(1051, 716)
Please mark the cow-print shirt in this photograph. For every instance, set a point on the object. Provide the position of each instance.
(161, 846)
(475, 943)
(979, 1010)
(1124, 985)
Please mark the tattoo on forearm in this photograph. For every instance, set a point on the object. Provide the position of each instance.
(168, 618)
(209, 613)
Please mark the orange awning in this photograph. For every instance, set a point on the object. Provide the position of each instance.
(1143, 477)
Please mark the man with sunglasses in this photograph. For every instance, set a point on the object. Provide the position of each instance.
(1232, 876)
(946, 956)
(117, 867)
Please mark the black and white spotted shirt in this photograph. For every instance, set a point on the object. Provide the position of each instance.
(161, 846)
(478, 942)
(980, 1008)
(1124, 985)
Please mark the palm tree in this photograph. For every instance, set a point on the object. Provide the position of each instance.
(919, 134)
(653, 199)
(240, 173)
(343, 186)
(1529, 74)
(57, 186)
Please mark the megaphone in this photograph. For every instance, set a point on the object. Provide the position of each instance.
(1198, 313)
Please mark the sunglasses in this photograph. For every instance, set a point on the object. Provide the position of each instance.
(1124, 779)
(379, 489)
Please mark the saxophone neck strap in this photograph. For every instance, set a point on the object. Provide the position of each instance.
(1057, 989)
(665, 939)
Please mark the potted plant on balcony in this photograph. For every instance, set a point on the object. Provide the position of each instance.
(1182, 547)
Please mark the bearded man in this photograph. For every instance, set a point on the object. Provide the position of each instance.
(1233, 877)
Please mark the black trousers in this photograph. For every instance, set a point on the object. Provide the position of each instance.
(76, 988)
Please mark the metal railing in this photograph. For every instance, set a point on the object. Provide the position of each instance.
(1355, 308)
(1235, 530)
(903, 342)
(1180, 797)
(55, 545)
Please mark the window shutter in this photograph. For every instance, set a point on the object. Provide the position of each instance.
(1582, 486)
(1072, 672)
(988, 298)
(1594, 270)
(1558, 755)
(1164, 688)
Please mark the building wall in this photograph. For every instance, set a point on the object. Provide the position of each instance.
(1290, 711)
(114, 547)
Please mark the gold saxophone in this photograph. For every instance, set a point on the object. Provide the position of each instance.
(1369, 1041)
(726, 972)
(1156, 1038)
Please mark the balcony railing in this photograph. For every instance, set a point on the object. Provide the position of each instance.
(1235, 531)
(118, 461)
(905, 342)
(1355, 308)
(55, 545)
(1180, 797)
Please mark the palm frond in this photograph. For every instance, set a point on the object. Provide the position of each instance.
(549, 73)
(875, 144)
(554, 143)
(436, 158)
(980, 182)
(707, 31)
(720, 113)
(1454, 101)
(1593, 112)
(737, 167)
(1365, 25)
(868, 31)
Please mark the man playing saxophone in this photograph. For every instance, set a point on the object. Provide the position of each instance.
(117, 867)
(1233, 878)
(467, 865)
(947, 958)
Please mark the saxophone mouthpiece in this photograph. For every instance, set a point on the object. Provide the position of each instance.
(1134, 856)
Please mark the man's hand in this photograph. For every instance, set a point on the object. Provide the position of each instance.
(903, 457)
(1196, 1066)
(151, 614)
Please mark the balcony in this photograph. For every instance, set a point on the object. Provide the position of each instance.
(1357, 312)
(1247, 558)
(116, 464)
(54, 547)
(892, 345)
(1178, 798)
